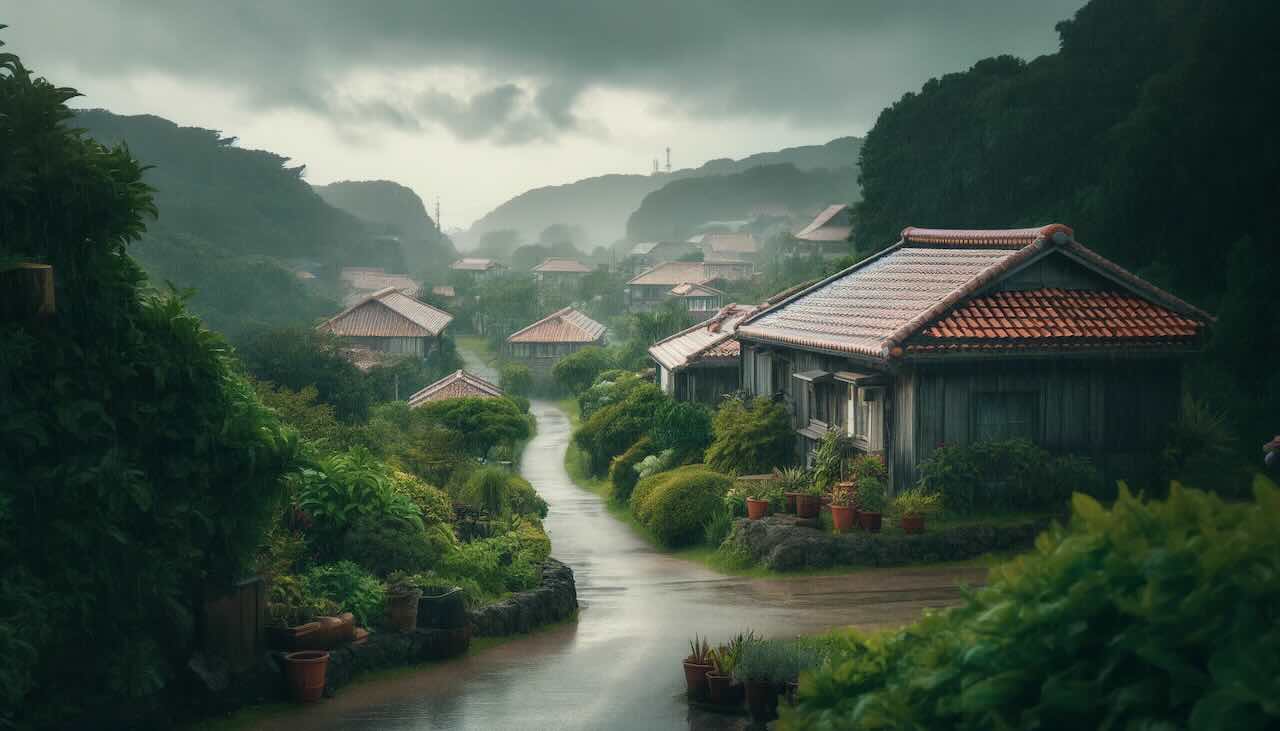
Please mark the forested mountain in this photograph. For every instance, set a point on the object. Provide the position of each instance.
(234, 223)
(396, 210)
(601, 205)
(1150, 132)
(673, 211)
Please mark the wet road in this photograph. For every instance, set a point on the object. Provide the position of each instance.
(618, 666)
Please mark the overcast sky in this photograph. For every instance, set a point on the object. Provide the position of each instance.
(477, 101)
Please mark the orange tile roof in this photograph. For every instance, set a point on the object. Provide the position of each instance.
(563, 326)
(458, 384)
(876, 306)
(738, 242)
(388, 313)
(706, 341)
(1055, 317)
(472, 264)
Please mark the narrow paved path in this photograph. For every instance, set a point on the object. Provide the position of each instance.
(619, 665)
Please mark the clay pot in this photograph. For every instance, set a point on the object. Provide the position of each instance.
(402, 611)
(842, 517)
(807, 506)
(720, 689)
(791, 501)
(695, 678)
(912, 524)
(756, 509)
(443, 611)
(305, 671)
(762, 700)
(870, 521)
(291, 638)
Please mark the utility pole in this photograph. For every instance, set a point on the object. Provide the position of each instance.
(439, 228)
(668, 160)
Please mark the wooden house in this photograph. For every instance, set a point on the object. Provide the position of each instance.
(476, 269)
(650, 288)
(458, 384)
(730, 246)
(701, 363)
(962, 336)
(648, 254)
(542, 344)
(560, 273)
(700, 301)
(827, 235)
(389, 322)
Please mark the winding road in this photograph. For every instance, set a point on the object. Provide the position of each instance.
(618, 666)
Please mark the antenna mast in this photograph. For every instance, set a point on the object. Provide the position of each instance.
(668, 159)
(439, 228)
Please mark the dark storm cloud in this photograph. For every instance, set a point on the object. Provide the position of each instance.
(803, 62)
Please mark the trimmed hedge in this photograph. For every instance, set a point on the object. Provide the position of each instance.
(676, 505)
(1012, 474)
(622, 473)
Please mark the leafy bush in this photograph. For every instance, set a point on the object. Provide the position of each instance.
(381, 544)
(524, 499)
(613, 429)
(433, 504)
(290, 603)
(515, 379)
(610, 387)
(1004, 475)
(340, 488)
(829, 459)
(298, 357)
(751, 437)
(314, 420)
(578, 370)
(916, 502)
(483, 422)
(487, 490)
(504, 563)
(622, 471)
(1147, 615)
(655, 463)
(1202, 450)
(350, 587)
(681, 502)
(414, 441)
(684, 428)
(717, 527)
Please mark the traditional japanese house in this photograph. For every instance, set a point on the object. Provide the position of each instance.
(650, 254)
(730, 246)
(962, 336)
(476, 269)
(363, 281)
(827, 235)
(648, 289)
(390, 322)
(458, 384)
(560, 272)
(701, 362)
(700, 300)
(542, 344)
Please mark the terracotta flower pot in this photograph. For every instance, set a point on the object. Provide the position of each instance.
(762, 700)
(791, 501)
(807, 505)
(720, 689)
(402, 611)
(695, 678)
(756, 509)
(305, 671)
(842, 518)
(291, 638)
(912, 524)
(870, 521)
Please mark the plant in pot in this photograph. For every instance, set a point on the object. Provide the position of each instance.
(843, 511)
(809, 501)
(913, 505)
(292, 612)
(402, 605)
(792, 481)
(696, 666)
(763, 496)
(871, 500)
(763, 667)
(722, 689)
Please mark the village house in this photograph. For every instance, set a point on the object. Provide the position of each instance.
(476, 269)
(648, 254)
(363, 281)
(730, 247)
(560, 273)
(458, 384)
(648, 289)
(962, 336)
(701, 363)
(388, 323)
(700, 301)
(542, 344)
(827, 235)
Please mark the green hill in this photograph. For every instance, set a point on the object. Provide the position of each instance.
(397, 211)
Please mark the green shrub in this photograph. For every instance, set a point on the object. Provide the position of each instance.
(829, 459)
(381, 545)
(433, 503)
(1148, 615)
(290, 602)
(578, 370)
(1202, 449)
(622, 471)
(613, 429)
(678, 508)
(655, 463)
(717, 527)
(483, 422)
(515, 379)
(504, 563)
(684, 428)
(751, 437)
(524, 500)
(350, 587)
(1003, 476)
(338, 489)
(611, 387)
(487, 490)
(647, 485)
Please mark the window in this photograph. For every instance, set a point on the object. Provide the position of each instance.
(1010, 415)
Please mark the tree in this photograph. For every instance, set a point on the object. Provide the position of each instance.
(577, 371)
(516, 380)
(498, 244)
(683, 427)
(301, 357)
(751, 437)
(482, 422)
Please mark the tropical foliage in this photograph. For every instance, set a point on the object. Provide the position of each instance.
(1005, 475)
(751, 437)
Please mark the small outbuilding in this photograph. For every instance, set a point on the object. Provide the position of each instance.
(458, 384)
(701, 363)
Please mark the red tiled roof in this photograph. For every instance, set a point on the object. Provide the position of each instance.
(738, 242)
(388, 313)
(1055, 317)
(703, 342)
(563, 326)
(471, 264)
(1009, 237)
(458, 384)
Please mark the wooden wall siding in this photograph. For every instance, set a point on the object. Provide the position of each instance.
(901, 457)
(705, 385)
(1053, 271)
(1117, 412)
(393, 345)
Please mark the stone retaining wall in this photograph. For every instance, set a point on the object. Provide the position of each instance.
(778, 543)
(554, 600)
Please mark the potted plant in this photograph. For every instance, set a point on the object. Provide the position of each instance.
(722, 689)
(913, 505)
(871, 501)
(757, 508)
(809, 502)
(843, 512)
(792, 481)
(696, 666)
(305, 671)
(402, 606)
(293, 616)
(762, 668)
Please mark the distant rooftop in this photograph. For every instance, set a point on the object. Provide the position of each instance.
(388, 313)
(709, 342)
(470, 264)
(835, 223)
(458, 384)
(567, 266)
(562, 326)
